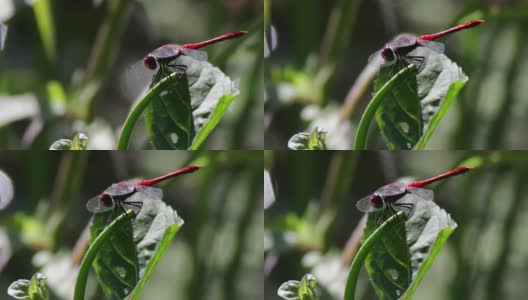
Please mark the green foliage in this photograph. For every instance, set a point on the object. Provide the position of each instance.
(299, 290)
(185, 104)
(127, 257)
(440, 107)
(398, 261)
(34, 289)
(63, 101)
(418, 103)
(79, 142)
(308, 141)
(314, 227)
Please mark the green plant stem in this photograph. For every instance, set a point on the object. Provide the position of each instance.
(336, 186)
(361, 134)
(498, 125)
(200, 217)
(253, 87)
(496, 278)
(46, 31)
(267, 12)
(337, 36)
(243, 226)
(128, 126)
(91, 254)
(359, 259)
(103, 54)
(69, 176)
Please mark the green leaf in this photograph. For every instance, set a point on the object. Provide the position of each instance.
(169, 116)
(126, 261)
(186, 104)
(368, 243)
(116, 264)
(427, 230)
(388, 262)
(408, 117)
(44, 21)
(79, 142)
(34, 289)
(398, 262)
(219, 111)
(360, 142)
(399, 115)
(299, 290)
(307, 141)
(62, 144)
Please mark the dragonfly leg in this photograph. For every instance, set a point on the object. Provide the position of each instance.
(112, 216)
(137, 204)
(407, 206)
(419, 59)
(156, 78)
(383, 216)
(394, 68)
(180, 69)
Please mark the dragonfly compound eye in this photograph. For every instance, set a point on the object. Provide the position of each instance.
(376, 201)
(150, 62)
(387, 54)
(105, 200)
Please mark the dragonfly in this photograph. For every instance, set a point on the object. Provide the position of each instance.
(386, 197)
(119, 195)
(163, 59)
(396, 52)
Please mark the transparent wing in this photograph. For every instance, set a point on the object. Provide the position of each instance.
(166, 51)
(402, 41)
(375, 59)
(136, 79)
(150, 192)
(424, 194)
(392, 189)
(365, 206)
(95, 206)
(120, 189)
(435, 46)
(196, 54)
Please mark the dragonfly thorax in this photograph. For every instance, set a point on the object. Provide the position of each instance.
(105, 200)
(150, 62)
(376, 201)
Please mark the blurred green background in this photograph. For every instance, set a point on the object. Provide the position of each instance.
(323, 46)
(313, 224)
(216, 255)
(65, 67)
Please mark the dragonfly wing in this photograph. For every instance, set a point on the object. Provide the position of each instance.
(435, 46)
(150, 192)
(421, 193)
(166, 51)
(120, 189)
(375, 59)
(95, 206)
(402, 41)
(392, 189)
(196, 54)
(365, 206)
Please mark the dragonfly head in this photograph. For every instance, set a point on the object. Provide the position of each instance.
(150, 62)
(105, 200)
(387, 53)
(376, 201)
